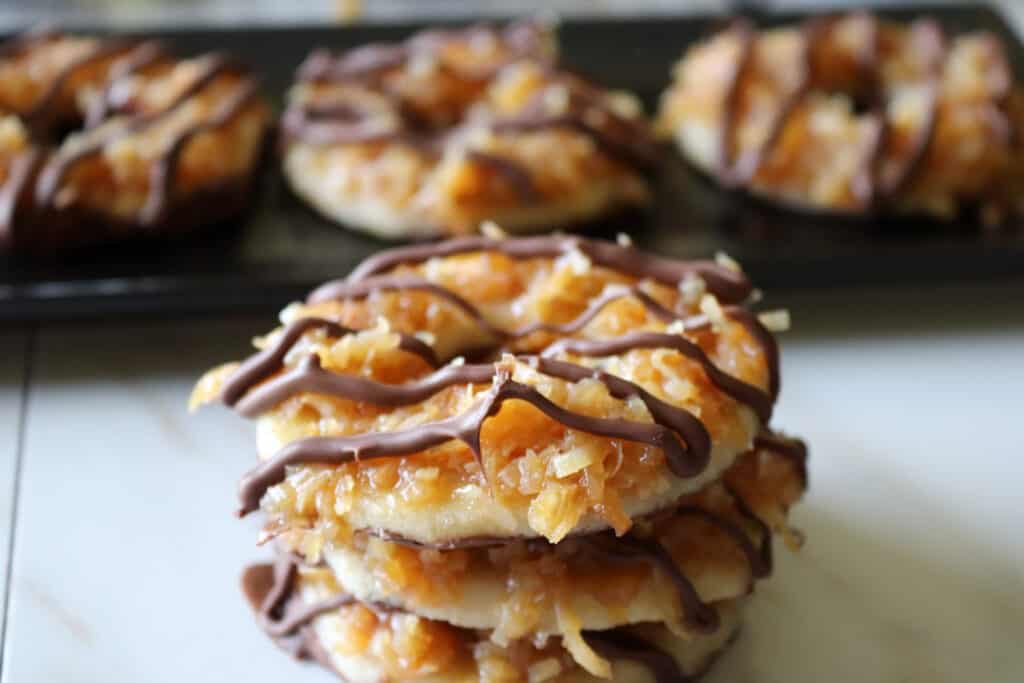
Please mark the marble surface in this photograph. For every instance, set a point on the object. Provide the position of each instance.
(13, 356)
(127, 554)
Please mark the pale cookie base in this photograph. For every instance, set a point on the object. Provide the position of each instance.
(382, 219)
(483, 595)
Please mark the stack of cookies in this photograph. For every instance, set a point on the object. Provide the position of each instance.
(541, 459)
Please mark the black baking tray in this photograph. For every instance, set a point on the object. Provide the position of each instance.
(281, 249)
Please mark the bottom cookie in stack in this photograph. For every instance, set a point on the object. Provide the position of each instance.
(655, 605)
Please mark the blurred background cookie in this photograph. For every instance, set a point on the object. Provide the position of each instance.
(450, 128)
(854, 114)
(106, 139)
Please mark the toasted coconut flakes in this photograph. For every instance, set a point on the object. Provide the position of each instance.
(544, 670)
(433, 268)
(692, 287)
(556, 510)
(775, 321)
(676, 327)
(556, 99)
(343, 494)
(427, 473)
(615, 288)
(572, 462)
(12, 130)
(292, 311)
(492, 230)
(726, 261)
(578, 261)
(624, 104)
(423, 65)
(570, 626)
(710, 307)
(208, 387)
(676, 386)
(264, 341)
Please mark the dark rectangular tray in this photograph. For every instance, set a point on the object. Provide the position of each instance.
(282, 249)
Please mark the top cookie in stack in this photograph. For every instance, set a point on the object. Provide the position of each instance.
(517, 448)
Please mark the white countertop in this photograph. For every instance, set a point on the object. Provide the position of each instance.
(126, 553)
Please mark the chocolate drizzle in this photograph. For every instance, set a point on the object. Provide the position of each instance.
(621, 644)
(525, 40)
(41, 116)
(759, 401)
(700, 616)
(144, 55)
(162, 173)
(515, 175)
(794, 450)
(729, 285)
(361, 289)
(262, 365)
(272, 592)
(309, 376)
(879, 181)
(163, 169)
(45, 221)
(759, 557)
(585, 110)
(465, 428)
(344, 289)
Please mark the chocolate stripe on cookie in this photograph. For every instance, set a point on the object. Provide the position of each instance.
(729, 285)
(620, 644)
(876, 182)
(144, 55)
(794, 450)
(57, 169)
(465, 428)
(163, 172)
(261, 365)
(524, 38)
(345, 289)
(759, 401)
(309, 376)
(38, 117)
